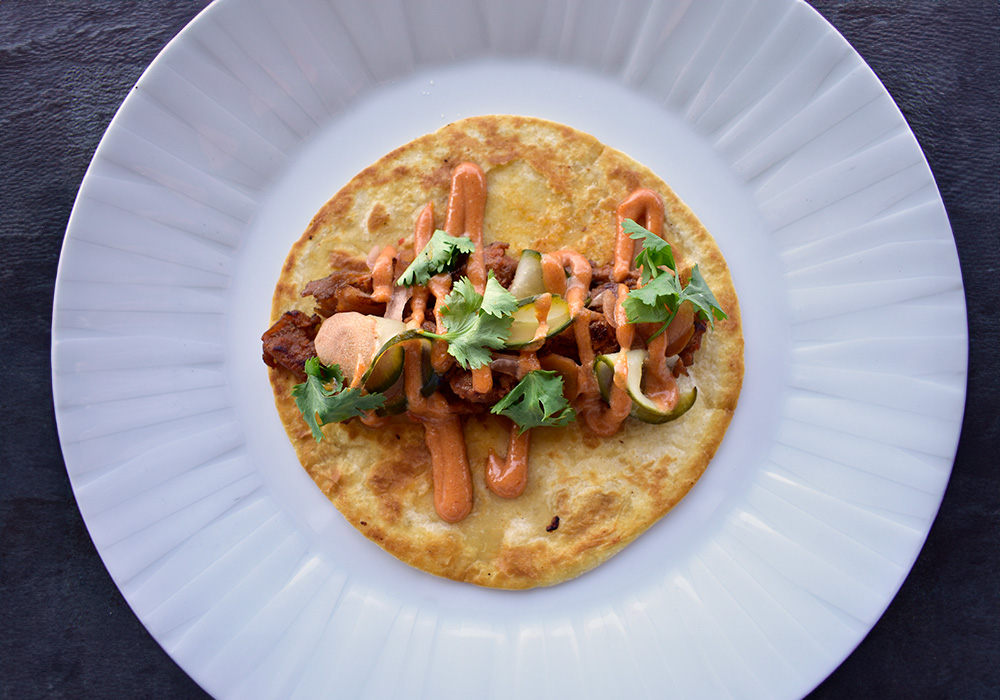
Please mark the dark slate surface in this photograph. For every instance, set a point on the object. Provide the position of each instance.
(66, 632)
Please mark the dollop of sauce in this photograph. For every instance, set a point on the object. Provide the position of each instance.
(349, 339)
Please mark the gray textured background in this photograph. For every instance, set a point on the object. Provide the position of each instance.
(66, 632)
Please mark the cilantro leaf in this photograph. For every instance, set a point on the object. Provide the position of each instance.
(698, 293)
(476, 322)
(439, 255)
(320, 405)
(662, 293)
(497, 301)
(536, 401)
(653, 302)
(656, 252)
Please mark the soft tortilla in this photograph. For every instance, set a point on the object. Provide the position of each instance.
(549, 187)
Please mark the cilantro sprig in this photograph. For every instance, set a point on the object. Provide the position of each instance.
(656, 252)
(321, 405)
(439, 255)
(536, 401)
(476, 323)
(661, 294)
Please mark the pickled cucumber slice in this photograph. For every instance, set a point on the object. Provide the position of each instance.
(387, 364)
(643, 408)
(525, 325)
(528, 280)
(390, 359)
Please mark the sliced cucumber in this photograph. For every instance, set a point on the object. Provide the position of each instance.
(391, 358)
(387, 364)
(643, 408)
(528, 280)
(429, 379)
(525, 325)
(604, 368)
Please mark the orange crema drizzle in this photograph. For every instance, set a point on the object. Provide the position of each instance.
(443, 432)
(565, 273)
(645, 207)
(382, 278)
(509, 476)
(466, 211)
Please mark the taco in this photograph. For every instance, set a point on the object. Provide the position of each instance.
(505, 350)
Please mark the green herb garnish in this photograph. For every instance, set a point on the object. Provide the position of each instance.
(536, 401)
(439, 255)
(476, 323)
(656, 252)
(321, 405)
(661, 293)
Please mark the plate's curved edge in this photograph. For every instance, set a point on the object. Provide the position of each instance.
(902, 118)
(56, 312)
(70, 223)
(955, 420)
(149, 70)
(952, 447)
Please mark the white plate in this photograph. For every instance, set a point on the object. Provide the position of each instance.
(761, 117)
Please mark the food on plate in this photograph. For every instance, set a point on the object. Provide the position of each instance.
(504, 350)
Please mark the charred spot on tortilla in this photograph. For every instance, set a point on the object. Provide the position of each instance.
(537, 325)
